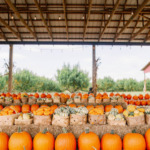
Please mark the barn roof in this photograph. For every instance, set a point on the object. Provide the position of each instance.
(146, 66)
(124, 21)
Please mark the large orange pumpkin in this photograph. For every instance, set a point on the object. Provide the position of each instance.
(147, 96)
(119, 108)
(44, 141)
(134, 141)
(20, 140)
(26, 108)
(147, 139)
(88, 141)
(108, 108)
(65, 141)
(111, 141)
(34, 107)
(129, 96)
(100, 106)
(18, 108)
(140, 96)
(1, 107)
(4, 138)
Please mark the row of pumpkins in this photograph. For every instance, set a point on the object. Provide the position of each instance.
(66, 141)
(26, 108)
(98, 96)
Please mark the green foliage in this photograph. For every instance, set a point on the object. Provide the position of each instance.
(105, 84)
(131, 85)
(72, 79)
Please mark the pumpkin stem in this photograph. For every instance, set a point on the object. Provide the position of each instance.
(24, 147)
(134, 131)
(87, 130)
(44, 131)
(64, 130)
(112, 132)
(19, 130)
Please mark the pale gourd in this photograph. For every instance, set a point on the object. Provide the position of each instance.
(114, 111)
(136, 112)
(111, 117)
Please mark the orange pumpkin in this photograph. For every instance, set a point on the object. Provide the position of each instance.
(108, 108)
(73, 95)
(26, 108)
(43, 95)
(126, 101)
(148, 102)
(79, 94)
(49, 96)
(137, 103)
(1, 107)
(72, 105)
(14, 95)
(44, 105)
(117, 94)
(91, 94)
(36, 95)
(99, 95)
(8, 94)
(85, 96)
(147, 139)
(143, 102)
(100, 106)
(31, 95)
(4, 139)
(88, 141)
(20, 140)
(134, 141)
(147, 96)
(65, 141)
(56, 94)
(140, 96)
(111, 94)
(119, 108)
(111, 141)
(3, 94)
(135, 97)
(34, 107)
(53, 107)
(105, 94)
(124, 96)
(129, 96)
(44, 141)
(18, 108)
(89, 107)
(131, 102)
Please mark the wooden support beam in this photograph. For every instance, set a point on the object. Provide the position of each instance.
(118, 26)
(8, 27)
(144, 17)
(2, 35)
(41, 14)
(142, 29)
(87, 20)
(115, 7)
(101, 25)
(134, 27)
(10, 68)
(139, 9)
(20, 17)
(49, 23)
(64, 7)
(94, 70)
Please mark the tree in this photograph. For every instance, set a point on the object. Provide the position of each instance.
(131, 85)
(119, 85)
(72, 79)
(105, 84)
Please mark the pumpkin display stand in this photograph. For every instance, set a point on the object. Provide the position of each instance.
(17, 101)
(147, 118)
(42, 120)
(98, 101)
(60, 121)
(84, 100)
(116, 123)
(63, 100)
(77, 99)
(97, 119)
(106, 100)
(24, 99)
(78, 119)
(56, 99)
(8, 102)
(23, 122)
(32, 100)
(2, 101)
(91, 100)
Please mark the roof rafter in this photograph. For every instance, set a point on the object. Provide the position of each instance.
(41, 14)
(87, 20)
(3, 35)
(115, 7)
(64, 7)
(138, 10)
(8, 27)
(144, 17)
(19, 16)
(142, 29)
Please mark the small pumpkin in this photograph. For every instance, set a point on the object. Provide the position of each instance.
(69, 141)
(20, 140)
(56, 94)
(108, 108)
(129, 96)
(135, 97)
(26, 108)
(43, 95)
(36, 95)
(18, 108)
(117, 94)
(120, 108)
(124, 96)
(53, 107)
(111, 94)
(34, 107)
(137, 103)
(4, 139)
(73, 95)
(44, 141)
(49, 96)
(111, 141)
(147, 96)
(1, 107)
(88, 141)
(134, 141)
(140, 96)
(8, 94)
(143, 102)
(79, 94)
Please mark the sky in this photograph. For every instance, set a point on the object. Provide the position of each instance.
(118, 62)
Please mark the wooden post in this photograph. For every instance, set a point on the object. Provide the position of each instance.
(10, 68)
(144, 83)
(94, 71)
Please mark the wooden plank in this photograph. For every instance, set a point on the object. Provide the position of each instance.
(10, 68)
(144, 17)
(19, 16)
(142, 29)
(49, 23)
(139, 9)
(64, 7)
(8, 27)
(41, 14)
(101, 25)
(115, 7)
(87, 20)
(2, 35)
